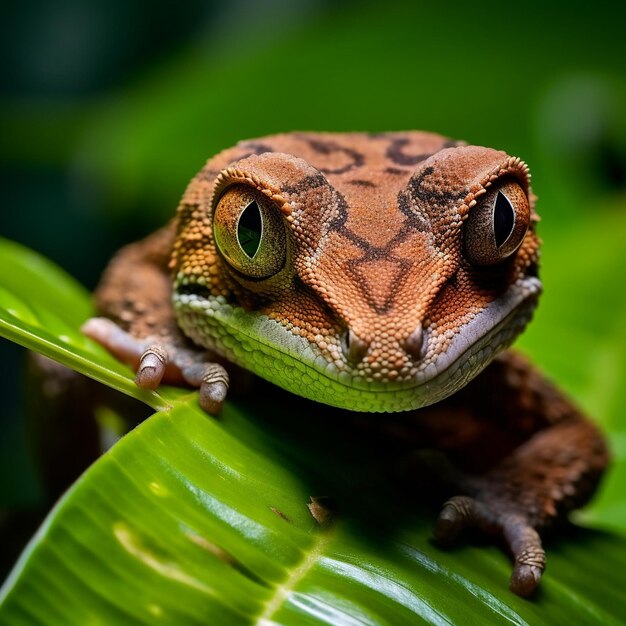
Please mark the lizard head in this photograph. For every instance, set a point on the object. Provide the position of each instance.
(370, 272)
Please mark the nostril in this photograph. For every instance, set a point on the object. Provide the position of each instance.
(414, 342)
(354, 348)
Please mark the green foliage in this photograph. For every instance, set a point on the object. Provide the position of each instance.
(192, 520)
(542, 83)
(180, 522)
(42, 309)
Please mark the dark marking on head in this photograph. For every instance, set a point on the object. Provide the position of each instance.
(362, 183)
(371, 252)
(338, 223)
(416, 188)
(306, 184)
(253, 148)
(329, 147)
(413, 201)
(415, 219)
(396, 171)
(257, 148)
(396, 154)
(356, 272)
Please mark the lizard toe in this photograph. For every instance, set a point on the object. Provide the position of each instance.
(152, 365)
(530, 558)
(525, 579)
(461, 512)
(118, 342)
(212, 380)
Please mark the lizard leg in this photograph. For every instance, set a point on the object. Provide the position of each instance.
(553, 471)
(515, 453)
(140, 327)
(212, 380)
(163, 362)
(521, 537)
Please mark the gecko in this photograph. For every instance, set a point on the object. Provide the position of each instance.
(375, 272)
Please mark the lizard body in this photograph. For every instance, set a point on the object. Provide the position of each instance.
(371, 272)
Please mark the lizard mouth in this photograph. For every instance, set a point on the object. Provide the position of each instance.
(262, 345)
(481, 339)
(490, 331)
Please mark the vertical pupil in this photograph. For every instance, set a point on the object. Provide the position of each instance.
(503, 219)
(249, 229)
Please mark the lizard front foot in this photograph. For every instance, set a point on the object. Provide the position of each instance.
(494, 516)
(157, 362)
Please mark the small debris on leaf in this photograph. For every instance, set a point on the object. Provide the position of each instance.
(280, 514)
(322, 509)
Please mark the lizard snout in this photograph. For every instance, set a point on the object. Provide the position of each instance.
(355, 349)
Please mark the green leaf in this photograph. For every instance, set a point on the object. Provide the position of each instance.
(42, 308)
(185, 521)
(192, 520)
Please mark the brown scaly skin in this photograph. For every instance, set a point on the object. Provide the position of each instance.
(523, 457)
(382, 265)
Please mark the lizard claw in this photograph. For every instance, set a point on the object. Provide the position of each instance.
(212, 379)
(151, 368)
(523, 540)
(166, 362)
(530, 557)
(525, 579)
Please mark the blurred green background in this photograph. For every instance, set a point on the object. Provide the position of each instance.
(108, 107)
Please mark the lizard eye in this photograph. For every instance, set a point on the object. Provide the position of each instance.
(250, 232)
(496, 226)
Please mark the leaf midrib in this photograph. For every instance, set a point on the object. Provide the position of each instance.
(284, 590)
